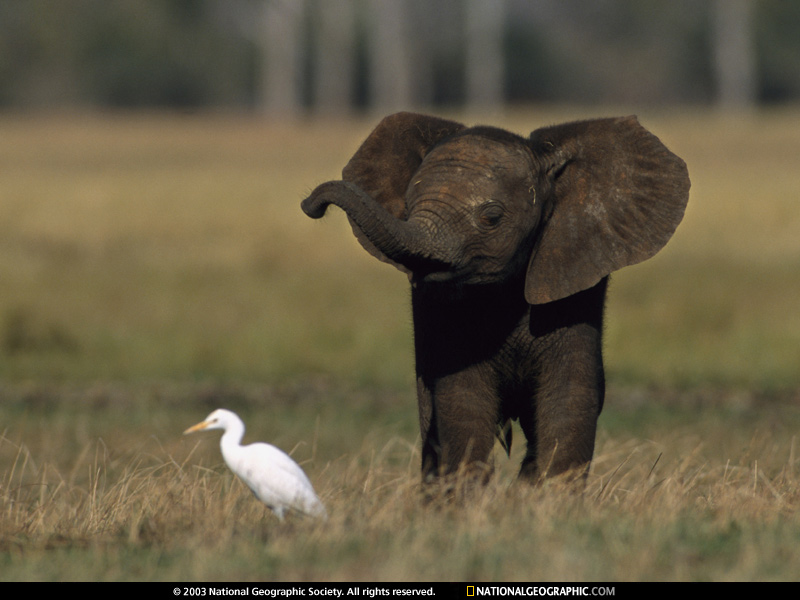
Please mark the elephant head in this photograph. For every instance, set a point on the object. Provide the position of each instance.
(468, 206)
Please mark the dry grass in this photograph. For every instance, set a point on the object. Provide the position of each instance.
(714, 499)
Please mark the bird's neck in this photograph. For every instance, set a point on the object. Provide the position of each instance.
(231, 440)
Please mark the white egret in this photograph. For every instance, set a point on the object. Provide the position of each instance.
(274, 478)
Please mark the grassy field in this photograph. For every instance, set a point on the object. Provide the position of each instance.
(156, 267)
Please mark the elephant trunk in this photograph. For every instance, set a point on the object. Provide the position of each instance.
(402, 242)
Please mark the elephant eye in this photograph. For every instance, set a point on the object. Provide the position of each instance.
(490, 214)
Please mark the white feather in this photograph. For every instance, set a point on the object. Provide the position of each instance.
(271, 474)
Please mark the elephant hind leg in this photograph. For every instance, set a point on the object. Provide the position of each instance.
(529, 469)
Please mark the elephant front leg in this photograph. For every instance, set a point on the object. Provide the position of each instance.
(458, 417)
(560, 421)
(561, 436)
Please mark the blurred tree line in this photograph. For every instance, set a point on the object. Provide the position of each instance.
(336, 55)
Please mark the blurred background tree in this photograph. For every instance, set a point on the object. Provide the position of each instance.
(333, 56)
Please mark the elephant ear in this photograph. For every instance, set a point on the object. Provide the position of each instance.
(384, 164)
(617, 196)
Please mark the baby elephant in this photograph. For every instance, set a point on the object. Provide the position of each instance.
(508, 243)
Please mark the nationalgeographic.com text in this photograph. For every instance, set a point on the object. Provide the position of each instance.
(532, 590)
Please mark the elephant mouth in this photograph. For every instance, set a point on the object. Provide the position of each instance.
(443, 276)
(479, 270)
(432, 278)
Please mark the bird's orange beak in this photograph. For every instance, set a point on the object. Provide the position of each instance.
(198, 427)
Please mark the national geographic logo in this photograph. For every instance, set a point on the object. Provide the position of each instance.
(533, 590)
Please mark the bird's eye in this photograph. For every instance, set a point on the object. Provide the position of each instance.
(490, 214)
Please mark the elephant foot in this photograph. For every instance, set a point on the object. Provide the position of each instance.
(572, 477)
(461, 485)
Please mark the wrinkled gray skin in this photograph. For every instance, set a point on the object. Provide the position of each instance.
(508, 243)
